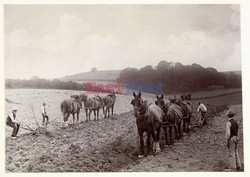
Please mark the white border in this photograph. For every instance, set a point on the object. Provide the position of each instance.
(245, 60)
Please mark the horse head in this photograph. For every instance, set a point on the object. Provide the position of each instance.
(137, 103)
(160, 102)
(172, 100)
(83, 97)
(112, 95)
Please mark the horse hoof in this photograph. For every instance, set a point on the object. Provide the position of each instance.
(140, 156)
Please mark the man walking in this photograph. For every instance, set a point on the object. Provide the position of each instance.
(202, 109)
(232, 141)
(11, 122)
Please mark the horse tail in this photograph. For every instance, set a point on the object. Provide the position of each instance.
(65, 109)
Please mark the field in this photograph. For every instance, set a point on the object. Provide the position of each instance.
(111, 144)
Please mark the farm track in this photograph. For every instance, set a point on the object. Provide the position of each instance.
(110, 144)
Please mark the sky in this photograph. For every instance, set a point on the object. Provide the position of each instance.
(53, 41)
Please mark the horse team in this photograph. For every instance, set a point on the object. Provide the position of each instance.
(175, 113)
(150, 118)
(91, 104)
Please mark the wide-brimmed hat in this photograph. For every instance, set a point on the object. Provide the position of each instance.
(230, 113)
(14, 108)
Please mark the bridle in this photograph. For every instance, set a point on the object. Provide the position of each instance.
(143, 111)
(162, 106)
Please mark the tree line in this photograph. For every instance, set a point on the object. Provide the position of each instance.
(43, 84)
(38, 83)
(182, 78)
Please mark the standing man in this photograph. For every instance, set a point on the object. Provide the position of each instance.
(202, 109)
(44, 114)
(232, 141)
(11, 122)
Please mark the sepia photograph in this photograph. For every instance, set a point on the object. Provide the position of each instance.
(123, 88)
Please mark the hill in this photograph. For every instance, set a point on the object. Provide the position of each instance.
(102, 75)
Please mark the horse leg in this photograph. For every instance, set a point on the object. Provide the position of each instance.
(90, 113)
(184, 125)
(179, 129)
(158, 149)
(112, 108)
(66, 116)
(170, 135)
(105, 114)
(141, 143)
(188, 124)
(86, 110)
(166, 135)
(108, 112)
(78, 117)
(148, 143)
(176, 132)
(95, 115)
(73, 119)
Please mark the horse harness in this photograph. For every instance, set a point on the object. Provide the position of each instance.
(143, 111)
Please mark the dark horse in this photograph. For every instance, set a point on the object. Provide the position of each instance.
(172, 118)
(148, 119)
(187, 110)
(186, 96)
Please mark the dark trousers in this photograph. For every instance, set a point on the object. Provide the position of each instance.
(45, 117)
(203, 117)
(15, 127)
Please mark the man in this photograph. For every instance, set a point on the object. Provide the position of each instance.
(232, 141)
(202, 109)
(11, 121)
(44, 114)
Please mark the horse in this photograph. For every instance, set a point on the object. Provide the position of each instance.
(186, 97)
(100, 105)
(161, 103)
(187, 110)
(148, 119)
(91, 104)
(71, 106)
(109, 102)
(173, 118)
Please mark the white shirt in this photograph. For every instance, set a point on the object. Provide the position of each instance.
(11, 115)
(228, 130)
(44, 110)
(202, 107)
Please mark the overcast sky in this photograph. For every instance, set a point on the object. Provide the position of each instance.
(57, 40)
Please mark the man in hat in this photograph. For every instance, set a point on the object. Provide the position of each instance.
(44, 114)
(232, 141)
(202, 109)
(11, 121)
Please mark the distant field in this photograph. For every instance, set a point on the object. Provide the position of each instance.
(203, 94)
(214, 93)
(229, 99)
